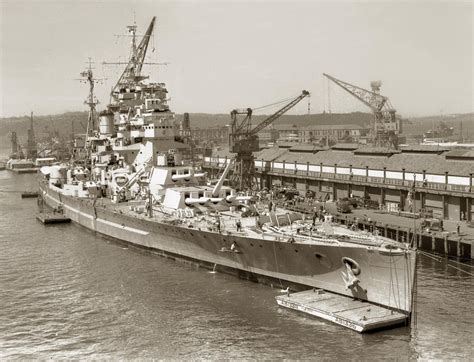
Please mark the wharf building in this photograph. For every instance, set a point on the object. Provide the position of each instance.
(219, 135)
(324, 133)
(210, 136)
(442, 178)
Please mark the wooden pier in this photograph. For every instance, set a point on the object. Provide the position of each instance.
(357, 315)
(52, 218)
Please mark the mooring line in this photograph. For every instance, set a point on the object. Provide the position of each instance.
(447, 263)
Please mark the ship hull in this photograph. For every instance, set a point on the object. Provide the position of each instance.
(386, 278)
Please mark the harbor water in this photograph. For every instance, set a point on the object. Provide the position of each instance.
(69, 293)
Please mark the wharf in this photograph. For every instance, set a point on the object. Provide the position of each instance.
(354, 314)
(406, 229)
(52, 218)
(447, 242)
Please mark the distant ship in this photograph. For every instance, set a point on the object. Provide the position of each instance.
(439, 134)
(21, 162)
(139, 184)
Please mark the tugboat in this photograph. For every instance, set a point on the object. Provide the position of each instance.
(139, 185)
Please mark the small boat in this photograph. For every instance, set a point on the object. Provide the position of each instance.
(29, 194)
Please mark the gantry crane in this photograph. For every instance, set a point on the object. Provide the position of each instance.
(243, 140)
(385, 126)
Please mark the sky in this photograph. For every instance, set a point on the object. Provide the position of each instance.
(228, 54)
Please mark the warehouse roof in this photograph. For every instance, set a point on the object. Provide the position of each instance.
(461, 154)
(430, 162)
(371, 150)
(346, 146)
(306, 147)
(424, 148)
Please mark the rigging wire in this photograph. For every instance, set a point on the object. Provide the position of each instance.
(397, 283)
(276, 263)
(415, 304)
(273, 104)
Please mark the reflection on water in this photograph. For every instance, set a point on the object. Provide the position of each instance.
(68, 293)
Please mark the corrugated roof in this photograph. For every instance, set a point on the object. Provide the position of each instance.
(304, 147)
(346, 146)
(270, 154)
(424, 148)
(460, 153)
(370, 150)
(284, 144)
(431, 163)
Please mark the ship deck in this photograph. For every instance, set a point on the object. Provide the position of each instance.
(298, 232)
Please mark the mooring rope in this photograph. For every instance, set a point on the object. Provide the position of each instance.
(415, 303)
(447, 263)
(276, 263)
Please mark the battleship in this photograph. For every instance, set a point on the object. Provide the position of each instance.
(139, 184)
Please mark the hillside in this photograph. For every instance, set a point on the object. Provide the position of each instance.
(63, 123)
(43, 125)
(458, 121)
(200, 120)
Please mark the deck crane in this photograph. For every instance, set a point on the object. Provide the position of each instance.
(385, 126)
(243, 140)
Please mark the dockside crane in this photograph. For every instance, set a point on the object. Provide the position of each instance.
(243, 141)
(385, 125)
(17, 152)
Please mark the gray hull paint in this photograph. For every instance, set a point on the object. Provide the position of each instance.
(385, 279)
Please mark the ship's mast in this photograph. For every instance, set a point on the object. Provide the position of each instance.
(132, 72)
(91, 101)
